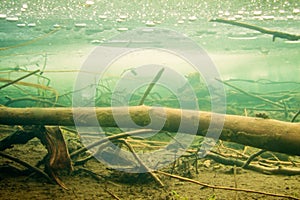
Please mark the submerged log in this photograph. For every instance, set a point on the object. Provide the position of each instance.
(266, 134)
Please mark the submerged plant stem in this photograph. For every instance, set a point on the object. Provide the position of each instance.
(151, 85)
(18, 79)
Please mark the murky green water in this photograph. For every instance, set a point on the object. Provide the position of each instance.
(57, 37)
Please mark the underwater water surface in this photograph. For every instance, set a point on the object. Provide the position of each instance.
(46, 48)
(56, 37)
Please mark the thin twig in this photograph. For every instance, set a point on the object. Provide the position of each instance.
(251, 95)
(32, 85)
(151, 85)
(260, 29)
(226, 188)
(254, 167)
(27, 165)
(112, 194)
(142, 164)
(112, 137)
(294, 118)
(252, 157)
(14, 100)
(18, 79)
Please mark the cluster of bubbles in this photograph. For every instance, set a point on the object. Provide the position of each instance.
(121, 15)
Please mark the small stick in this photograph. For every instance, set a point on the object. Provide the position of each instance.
(251, 95)
(82, 161)
(112, 194)
(27, 165)
(14, 100)
(142, 164)
(226, 188)
(294, 118)
(174, 164)
(18, 79)
(112, 137)
(32, 85)
(260, 29)
(151, 85)
(252, 157)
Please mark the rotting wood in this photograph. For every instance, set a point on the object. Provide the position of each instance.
(58, 157)
(272, 135)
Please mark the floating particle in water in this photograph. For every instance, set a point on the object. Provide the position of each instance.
(122, 29)
(290, 17)
(25, 6)
(257, 12)
(296, 11)
(227, 13)
(123, 17)
(56, 26)
(180, 21)
(21, 25)
(31, 25)
(268, 17)
(150, 23)
(96, 41)
(120, 20)
(238, 17)
(103, 17)
(89, 3)
(192, 18)
(281, 12)
(3, 16)
(241, 38)
(80, 25)
(12, 19)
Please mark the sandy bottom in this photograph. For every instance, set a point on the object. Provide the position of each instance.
(93, 180)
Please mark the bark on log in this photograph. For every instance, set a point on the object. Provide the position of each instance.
(266, 134)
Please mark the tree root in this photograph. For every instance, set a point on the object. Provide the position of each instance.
(27, 165)
(57, 158)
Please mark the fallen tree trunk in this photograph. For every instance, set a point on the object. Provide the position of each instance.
(266, 134)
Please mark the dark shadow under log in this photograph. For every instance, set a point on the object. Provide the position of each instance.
(272, 135)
